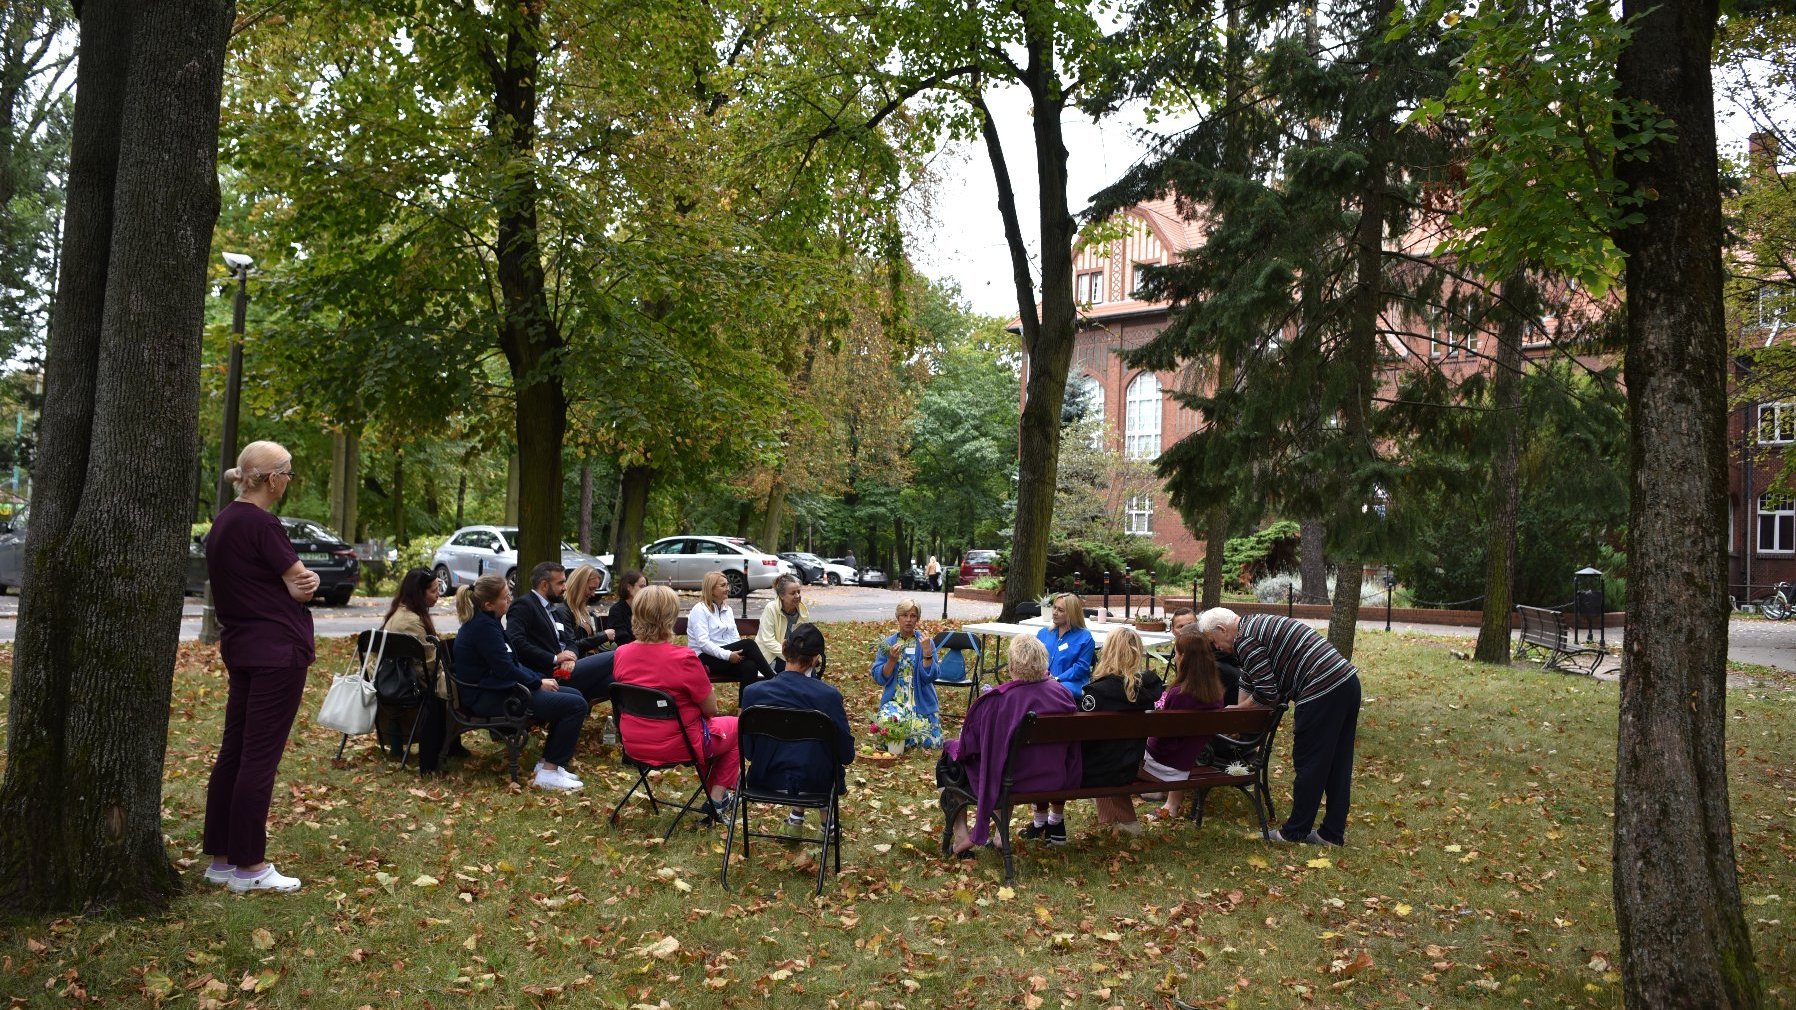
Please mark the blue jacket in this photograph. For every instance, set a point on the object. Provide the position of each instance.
(483, 657)
(1069, 657)
(922, 686)
(797, 766)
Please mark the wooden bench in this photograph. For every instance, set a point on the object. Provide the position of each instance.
(1094, 726)
(1545, 629)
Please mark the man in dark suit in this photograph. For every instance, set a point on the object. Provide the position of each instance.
(798, 766)
(545, 645)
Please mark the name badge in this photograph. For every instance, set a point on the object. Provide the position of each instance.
(1062, 646)
(558, 628)
(910, 650)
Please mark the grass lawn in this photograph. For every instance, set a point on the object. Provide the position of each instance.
(1477, 874)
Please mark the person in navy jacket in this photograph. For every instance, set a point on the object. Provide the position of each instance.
(484, 659)
(798, 766)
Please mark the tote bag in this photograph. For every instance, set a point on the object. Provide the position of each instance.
(350, 703)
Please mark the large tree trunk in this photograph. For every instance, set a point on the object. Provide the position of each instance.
(527, 332)
(1312, 560)
(632, 510)
(81, 804)
(1215, 537)
(346, 478)
(1684, 941)
(775, 516)
(1047, 338)
(1504, 493)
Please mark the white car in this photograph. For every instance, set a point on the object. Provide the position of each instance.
(682, 562)
(472, 551)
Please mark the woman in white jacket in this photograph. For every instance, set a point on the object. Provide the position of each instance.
(711, 632)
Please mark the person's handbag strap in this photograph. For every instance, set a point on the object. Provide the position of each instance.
(378, 653)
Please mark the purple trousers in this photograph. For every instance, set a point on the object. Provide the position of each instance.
(258, 717)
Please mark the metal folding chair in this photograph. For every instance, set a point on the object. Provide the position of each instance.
(648, 703)
(952, 668)
(788, 725)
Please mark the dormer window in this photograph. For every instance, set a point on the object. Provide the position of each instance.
(1088, 287)
(1138, 279)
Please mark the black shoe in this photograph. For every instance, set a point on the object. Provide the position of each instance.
(1053, 834)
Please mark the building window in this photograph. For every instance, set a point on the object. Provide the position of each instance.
(1088, 288)
(1777, 422)
(1444, 343)
(1140, 517)
(1777, 524)
(1139, 279)
(1141, 428)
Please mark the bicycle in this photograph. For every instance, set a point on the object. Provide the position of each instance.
(1777, 605)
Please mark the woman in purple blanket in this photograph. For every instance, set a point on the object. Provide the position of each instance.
(971, 771)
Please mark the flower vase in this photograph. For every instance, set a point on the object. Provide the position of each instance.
(895, 747)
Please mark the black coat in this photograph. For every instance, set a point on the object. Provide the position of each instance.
(531, 632)
(618, 620)
(583, 644)
(1116, 762)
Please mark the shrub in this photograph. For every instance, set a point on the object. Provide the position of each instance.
(1247, 559)
(1277, 589)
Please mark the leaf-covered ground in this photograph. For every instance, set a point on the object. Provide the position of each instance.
(1477, 873)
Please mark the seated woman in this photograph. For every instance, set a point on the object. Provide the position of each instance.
(1121, 683)
(783, 613)
(1195, 687)
(971, 772)
(653, 660)
(617, 619)
(711, 633)
(483, 658)
(409, 614)
(802, 766)
(904, 664)
(576, 614)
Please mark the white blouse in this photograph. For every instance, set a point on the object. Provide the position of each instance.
(708, 631)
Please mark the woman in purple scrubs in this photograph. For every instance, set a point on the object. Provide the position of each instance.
(259, 591)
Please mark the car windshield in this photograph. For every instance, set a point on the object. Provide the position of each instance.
(974, 557)
(745, 545)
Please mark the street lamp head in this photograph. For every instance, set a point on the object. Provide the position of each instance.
(238, 262)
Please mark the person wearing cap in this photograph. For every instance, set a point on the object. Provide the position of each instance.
(798, 766)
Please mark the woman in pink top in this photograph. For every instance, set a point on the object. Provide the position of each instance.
(654, 661)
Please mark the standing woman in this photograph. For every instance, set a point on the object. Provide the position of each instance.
(711, 632)
(904, 664)
(1070, 647)
(259, 591)
(933, 572)
(617, 619)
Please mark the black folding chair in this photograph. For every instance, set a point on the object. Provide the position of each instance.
(511, 726)
(952, 669)
(399, 647)
(648, 703)
(788, 725)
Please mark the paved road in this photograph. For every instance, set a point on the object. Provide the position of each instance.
(1765, 643)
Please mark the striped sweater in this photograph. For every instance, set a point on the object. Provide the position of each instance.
(1284, 661)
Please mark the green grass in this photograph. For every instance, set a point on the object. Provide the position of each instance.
(1477, 875)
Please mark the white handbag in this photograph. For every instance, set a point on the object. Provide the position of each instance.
(350, 703)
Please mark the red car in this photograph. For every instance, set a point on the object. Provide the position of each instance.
(978, 563)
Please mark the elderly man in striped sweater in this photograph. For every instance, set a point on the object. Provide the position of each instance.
(1285, 662)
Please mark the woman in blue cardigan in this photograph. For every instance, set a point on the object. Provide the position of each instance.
(483, 658)
(904, 664)
(1070, 648)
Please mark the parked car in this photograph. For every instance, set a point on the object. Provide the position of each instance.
(472, 551)
(914, 578)
(874, 577)
(319, 548)
(683, 561)
(841, 573)
(978, 563)
(808, 567)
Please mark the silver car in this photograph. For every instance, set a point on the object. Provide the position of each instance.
(682, 562)
(473, 551)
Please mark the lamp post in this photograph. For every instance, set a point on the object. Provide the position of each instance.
(240, 266)
(1390, 584)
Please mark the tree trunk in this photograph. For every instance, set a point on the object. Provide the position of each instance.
(1215, 537)
(80, 807)
(1504, 493)
(398, 498)
(1312, 560)
(527, 330)
(513, 467)
(461, 499)
(775, 517)
(346, 479)
(1684, 940)
(632, 509)
(744, 512)
(585, 507)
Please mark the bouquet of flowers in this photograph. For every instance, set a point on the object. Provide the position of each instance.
(893, 727)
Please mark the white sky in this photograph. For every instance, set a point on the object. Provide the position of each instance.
(961, 237)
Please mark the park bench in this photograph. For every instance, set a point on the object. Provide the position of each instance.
(1545, 629)
(1093, 726)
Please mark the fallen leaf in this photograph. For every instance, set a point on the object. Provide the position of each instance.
(261, 938)
(1319, 863)
(662, 948)
(1403, 909)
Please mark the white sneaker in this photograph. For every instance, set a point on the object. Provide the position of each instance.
(219, 875)
(554, 778)
(270, 879)
(540, 768)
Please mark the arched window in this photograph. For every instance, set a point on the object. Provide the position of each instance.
(1141, 429)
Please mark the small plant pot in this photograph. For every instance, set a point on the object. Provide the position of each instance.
(895, 747)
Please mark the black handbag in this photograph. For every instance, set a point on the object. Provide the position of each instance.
(396, 682)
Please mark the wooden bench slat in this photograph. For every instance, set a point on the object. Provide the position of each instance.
(1082, 726)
